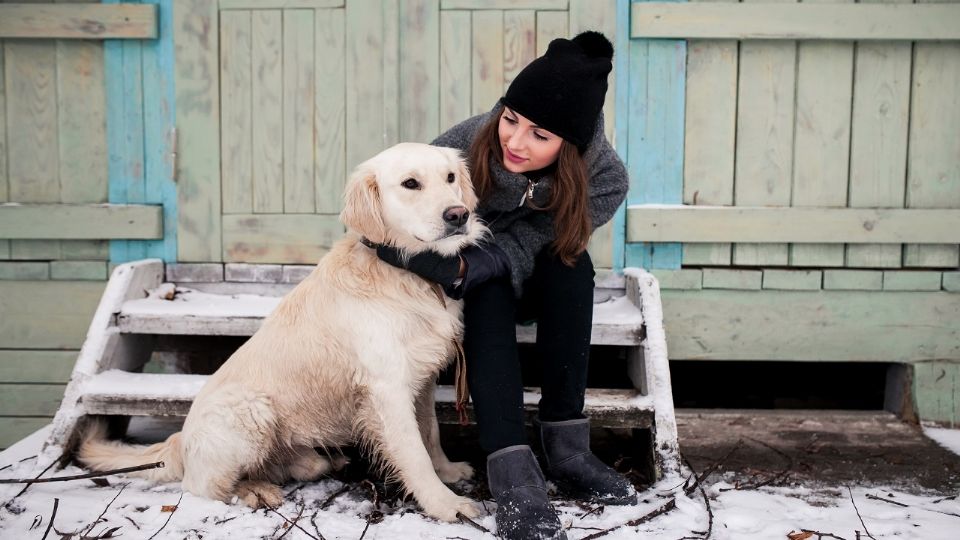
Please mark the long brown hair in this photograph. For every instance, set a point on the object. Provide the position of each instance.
(568, 198)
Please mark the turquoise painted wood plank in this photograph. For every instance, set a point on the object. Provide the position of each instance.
(299, 95)
(455, 39)
(935, 386)
(655, 146)
(198, 131)
(419, 70)
(88, 21)
(853, 280)
(159, 131)
(267, 103)
(933, 167)
(13, 429)
(79, 221)
(24, 271)
(765, 127)
(330, 111)
(36, 366)
(47, 314)
(621, 122)
(236, 139)
(487, 70)
(391, 72)
(550, 25)
(78, 270)
(365, 81)
(878, 138)
(519, 43)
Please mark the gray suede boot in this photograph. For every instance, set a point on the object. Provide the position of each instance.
(572, 465)
(517, 485)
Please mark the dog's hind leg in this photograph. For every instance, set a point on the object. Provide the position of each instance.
(448, 471)
(389, 418)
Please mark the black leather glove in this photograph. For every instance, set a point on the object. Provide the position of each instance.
(430, 265)
(484, 262)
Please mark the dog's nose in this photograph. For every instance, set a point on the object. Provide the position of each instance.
(456, 215)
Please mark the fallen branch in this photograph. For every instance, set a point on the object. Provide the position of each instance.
(874, 497)
(711, 469)
(53, 515)
(474, 524)
(775, 478)
(38, 480)
(858, 514)
(177, 506)
(706, 500)
(345, 488)
(666, 507)
(295, 520)
(26, 487)
(292, 524)
(96, 521)
(821, 535)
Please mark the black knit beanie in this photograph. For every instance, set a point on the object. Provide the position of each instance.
(563, 90)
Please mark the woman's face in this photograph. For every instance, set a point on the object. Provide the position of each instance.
(525, 146)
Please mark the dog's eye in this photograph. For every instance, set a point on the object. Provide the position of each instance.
(451, 178)
(411, 183)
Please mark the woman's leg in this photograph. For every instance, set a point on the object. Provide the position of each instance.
(563, 298)
(493, 366)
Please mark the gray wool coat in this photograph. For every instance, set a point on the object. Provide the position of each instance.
(521, 232)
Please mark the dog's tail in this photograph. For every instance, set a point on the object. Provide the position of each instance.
(100, 454)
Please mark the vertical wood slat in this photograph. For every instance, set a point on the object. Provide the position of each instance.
(551, 25)
(198, 131)
(33, 163)
(455, 68)
(391, 72)
(4, 184)
(299, 78)
(267, 113)
(710, 134)
(519, 43)
(330, 172)
(822, 137)
(487, 72)
(236, 74)
(419, 70)
(933, 167)
(655, 145)
(878, 144)
(600, 16)
(765, 122)
(365, 80)
(81, 106)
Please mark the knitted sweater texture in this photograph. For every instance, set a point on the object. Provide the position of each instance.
(521, 232)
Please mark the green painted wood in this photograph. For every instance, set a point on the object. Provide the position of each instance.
(792, 280)
(198, 130)
(87, 21)
(676, 223)
(827, 326)
(933, 170)
(455, 72)
(722, 278)
(32, 156)
(329, 111)
(487, 69)
(365, 95)
(550, 25)
(519, 43)
(4, 185)
(299, 96)
(391, 72)
(46, 314)
(13, 429)
(30, 399)
(805, 21)
(822, 136)
(236, 123)
(951, 281)
(878, 138)
(853, 280)
(935, 386)
(764, 140)
(24, 270)
(78, 270)
(504, 4)
(32, 366)
(279, 4)
(81, 106)
(710, 136)
(419, 70)
(267, 114)
(80, 221)
(601, 16)
(906, 280)
(279, 238)
(687, 279)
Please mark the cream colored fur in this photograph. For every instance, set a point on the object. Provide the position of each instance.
(350, 355)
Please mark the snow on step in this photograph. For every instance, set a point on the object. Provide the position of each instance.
(116, 392)
(615, 322)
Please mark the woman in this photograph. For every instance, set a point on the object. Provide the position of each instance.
(546, 177)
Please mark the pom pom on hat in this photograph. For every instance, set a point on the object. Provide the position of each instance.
(563, 90)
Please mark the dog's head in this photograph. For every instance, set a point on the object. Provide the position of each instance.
(414, 196)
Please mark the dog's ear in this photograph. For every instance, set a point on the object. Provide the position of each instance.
(466, 186)
(362, 211)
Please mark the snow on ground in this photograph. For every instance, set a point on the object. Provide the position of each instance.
(143, 511)
(947, 438)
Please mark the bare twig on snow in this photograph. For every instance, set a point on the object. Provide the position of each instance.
(38, 480)
(96, 521)
(666, 507)
(154, 535)
(53, 515)
(706, 500)
(858, 514)
(472, 523)
(874, 497)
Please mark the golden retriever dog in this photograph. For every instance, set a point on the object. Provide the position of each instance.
(349, 356)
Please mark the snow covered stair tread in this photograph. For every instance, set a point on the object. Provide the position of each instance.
(615, 322)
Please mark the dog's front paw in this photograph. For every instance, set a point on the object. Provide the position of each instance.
(258, 494)
(447, 508)
(454, 471)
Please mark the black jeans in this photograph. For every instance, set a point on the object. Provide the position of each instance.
(560, 298)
